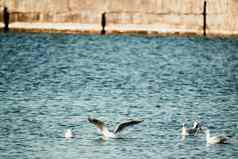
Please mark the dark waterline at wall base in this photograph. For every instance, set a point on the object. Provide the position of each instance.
(134, 33)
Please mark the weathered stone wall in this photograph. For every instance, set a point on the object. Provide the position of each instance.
(222, 16)
(152, 15)
(1, 10)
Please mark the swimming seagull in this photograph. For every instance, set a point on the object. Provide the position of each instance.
(220, 139)
(191, 131)
(198, 126)
(68, 134)
(102, 129)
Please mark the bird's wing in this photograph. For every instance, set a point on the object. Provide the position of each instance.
(98, 123)
(123, 125)
(221, 138)
(218, 139)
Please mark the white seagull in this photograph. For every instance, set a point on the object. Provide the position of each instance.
(220, 139)
(102, 129)
(191, 131)
(68, 134)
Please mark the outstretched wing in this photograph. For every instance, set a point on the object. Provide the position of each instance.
(122, 126)
(98, 123)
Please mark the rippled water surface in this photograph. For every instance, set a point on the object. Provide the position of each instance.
(51, 82)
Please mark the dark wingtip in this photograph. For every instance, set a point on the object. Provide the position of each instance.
(90, 119)
(93, 120)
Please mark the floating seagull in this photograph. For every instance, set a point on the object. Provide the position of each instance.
(197, 125)
(102, 129)
(68, 134)
(191, 131)
(220, 139)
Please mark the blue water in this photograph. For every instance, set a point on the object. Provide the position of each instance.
(51, 82)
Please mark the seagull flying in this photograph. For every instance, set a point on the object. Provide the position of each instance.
(102, 129)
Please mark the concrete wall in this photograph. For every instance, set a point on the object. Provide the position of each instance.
(1, 9)
(223, 16)
(176, 16)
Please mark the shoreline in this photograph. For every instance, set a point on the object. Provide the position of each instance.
(119, 29)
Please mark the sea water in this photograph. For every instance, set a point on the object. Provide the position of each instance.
(52, 82)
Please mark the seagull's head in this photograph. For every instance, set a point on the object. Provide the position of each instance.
(68, 133)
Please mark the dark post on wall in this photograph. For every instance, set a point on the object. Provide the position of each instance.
(6, 17)
(204, 18)
(103, 23)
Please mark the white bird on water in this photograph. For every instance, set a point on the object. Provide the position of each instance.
(220, 139)
(102, 129)
(68, 134)
(191, 131)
